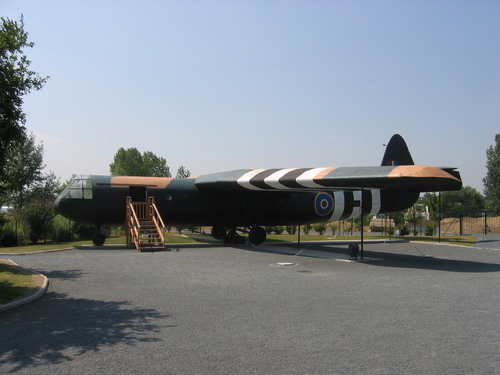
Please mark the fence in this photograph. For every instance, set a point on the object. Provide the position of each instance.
(472, 223)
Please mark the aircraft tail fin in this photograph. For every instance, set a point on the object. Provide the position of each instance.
(397, 153)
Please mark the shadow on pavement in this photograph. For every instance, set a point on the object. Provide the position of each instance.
(57, 328)
(402, 260)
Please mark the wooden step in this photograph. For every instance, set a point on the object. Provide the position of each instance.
(149, 244)
(150, 247)
(146, 234)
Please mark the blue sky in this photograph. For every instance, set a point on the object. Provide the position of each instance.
(221, 85)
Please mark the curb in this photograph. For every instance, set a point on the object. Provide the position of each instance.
(31, 298)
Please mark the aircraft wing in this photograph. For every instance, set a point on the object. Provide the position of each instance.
(415, 177)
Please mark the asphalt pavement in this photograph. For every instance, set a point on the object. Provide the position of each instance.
(488, 241)
(212, 309)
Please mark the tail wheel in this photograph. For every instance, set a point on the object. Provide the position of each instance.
(218, 232)
(257, 235)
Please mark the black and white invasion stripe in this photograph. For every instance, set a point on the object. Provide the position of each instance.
(281, 179)
(347, 204)
(345, 209)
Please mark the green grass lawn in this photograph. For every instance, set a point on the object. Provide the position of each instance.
(113, 240)
(41, 247)
(15, 283)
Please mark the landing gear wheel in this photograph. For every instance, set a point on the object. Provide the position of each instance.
(98, 239)
(218, 232)
(257, 235)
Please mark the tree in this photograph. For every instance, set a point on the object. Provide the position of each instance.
(38, 216)
(130, 162)
(414, 215)
(366, 221)
(320, 227)
(333, 227)
(155, 166)
(24, 177)
(432, 202)
(465, 200)
(48, 188)
(16, 80)
(306, 228)
(23, 169)
(492, 180)
(182, 172)
(127, 163)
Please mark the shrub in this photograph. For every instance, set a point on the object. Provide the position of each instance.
(62, 235)
(8, 238)
(320, 228)
(279, 229)
(333, 227)
(429, 230)
(403, 230)
(347, 229)
(83, 232)
(38, 216)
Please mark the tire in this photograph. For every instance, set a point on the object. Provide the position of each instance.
(257, 235)
(218, 232)
(98, 239)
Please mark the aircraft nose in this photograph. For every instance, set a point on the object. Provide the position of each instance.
(64, 206)
(68, 208)
(59, 206)
(56, 204)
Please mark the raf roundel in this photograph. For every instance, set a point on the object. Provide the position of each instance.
(323, 204)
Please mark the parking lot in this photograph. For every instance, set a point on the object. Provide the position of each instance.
(212, 309)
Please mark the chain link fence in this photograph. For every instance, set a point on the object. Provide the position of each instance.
(479, 222)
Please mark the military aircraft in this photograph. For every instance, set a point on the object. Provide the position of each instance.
(248, 200)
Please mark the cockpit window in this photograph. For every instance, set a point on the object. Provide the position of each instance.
(79, 188)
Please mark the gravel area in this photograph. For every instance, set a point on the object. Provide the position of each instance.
(412, 309)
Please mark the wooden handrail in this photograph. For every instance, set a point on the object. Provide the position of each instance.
(143, 211)
(130, 206)
(156, 218)
(157, 214)
(159, 229)
(133, 225)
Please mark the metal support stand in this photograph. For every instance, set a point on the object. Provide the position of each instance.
(439, 217)
(362, 220)
(300, 217)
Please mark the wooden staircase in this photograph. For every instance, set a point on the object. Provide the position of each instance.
(145, 226)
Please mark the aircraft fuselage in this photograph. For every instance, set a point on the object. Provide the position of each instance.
(100, 201)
